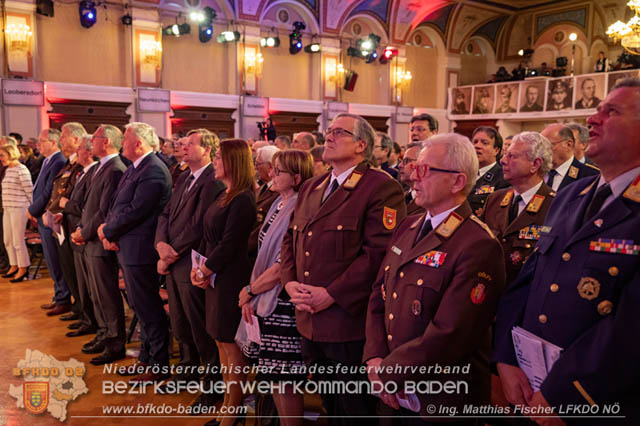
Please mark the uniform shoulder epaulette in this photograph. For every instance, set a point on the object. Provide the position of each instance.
(592, 166)
(381, 171)
(483, 225)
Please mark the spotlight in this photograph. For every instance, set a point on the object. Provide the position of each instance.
(312, 48)
(127, 19)
(371, 57)
(44, 7)
(270, 41)
(388, 54)
(197, 16)
(205, 27)
(177, 29)
(352, 51)
(228, 36)
(295, 38)
(88, 15)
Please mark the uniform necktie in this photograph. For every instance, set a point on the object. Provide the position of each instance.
(332, 189)
(551, 178)
(426, 228)
(513, 209)
(597, 201)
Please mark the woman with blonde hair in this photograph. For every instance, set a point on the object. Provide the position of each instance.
(227, 225)
(17, 192)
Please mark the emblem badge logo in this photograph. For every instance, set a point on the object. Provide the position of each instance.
(588, 288)
(36, 396)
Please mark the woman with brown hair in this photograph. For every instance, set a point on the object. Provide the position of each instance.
(280, 349)
(227, 225)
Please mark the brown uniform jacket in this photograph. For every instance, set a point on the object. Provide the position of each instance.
(520, 237)
(339, 245)
(433, 304)
(63, 185)
(413, 208)
(264, 199)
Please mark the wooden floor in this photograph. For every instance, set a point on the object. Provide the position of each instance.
(23, 325)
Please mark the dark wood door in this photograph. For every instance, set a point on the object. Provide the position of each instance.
(466, 127)
(217, 120)
(287, 123)
(90, 114)
(378, 123)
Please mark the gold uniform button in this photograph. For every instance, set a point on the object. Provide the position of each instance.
(306, 273)
(339, 227)
(542, 318)
(394, 295)
(566, 257)
(390, 317)
(306, 253)
(389, 337)
(401, 274)
(386, 268)
(309, 234)
(420, 282)
(613, 271)
(605, 307)
(554, 287)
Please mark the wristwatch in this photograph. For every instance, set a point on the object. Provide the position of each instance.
(248, 288)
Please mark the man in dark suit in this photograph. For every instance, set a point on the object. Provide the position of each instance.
(488, 145)
(581, 137)
(179, 167)
(580, 289)
(382, 147)
(72, 213)
(516, 215)
(49, 146)
(342, 223)
(129, 229)
(264, 195)
(405, 168)
(566, 169)
(70, 139)
(102, 265)
(179, 232)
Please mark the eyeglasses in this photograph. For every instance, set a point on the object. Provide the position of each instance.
(422, 170)
(418, 129)
(277, 171)
(338, 132)
(407, 160)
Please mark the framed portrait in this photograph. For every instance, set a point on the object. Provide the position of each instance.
(589, 91)
(483, 97)
(460, 100)
(560, 94)
(532, 96)
(613, 78)
(506, 98)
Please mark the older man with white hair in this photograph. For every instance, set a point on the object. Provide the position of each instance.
(436, 293)
(129, 229)
(264, 195)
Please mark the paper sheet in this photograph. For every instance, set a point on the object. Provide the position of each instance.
(535, 355)
(253, 330)
(197, 260)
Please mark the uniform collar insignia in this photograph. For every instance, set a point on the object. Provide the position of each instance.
(352, 180)
(449, 225)
(322, 184)
(535, 203)
(488, 176)
(633, 191)
(573, 172)
(588, 188)
(417, 222)
(507, 199)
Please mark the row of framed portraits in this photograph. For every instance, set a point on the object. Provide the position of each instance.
(533, 96)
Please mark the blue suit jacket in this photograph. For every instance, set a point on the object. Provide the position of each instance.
(133, 215)
(44, 184)
(582, 298)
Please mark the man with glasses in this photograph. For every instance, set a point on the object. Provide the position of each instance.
(179, 166)
(422, 127)
(566, 169)
(406, 168)
(264, 195)
(436, 294)
(382, 147)
(337, 237)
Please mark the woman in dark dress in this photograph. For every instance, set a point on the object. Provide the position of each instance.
(227, 225)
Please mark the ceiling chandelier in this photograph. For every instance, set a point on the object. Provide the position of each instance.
(629, 33)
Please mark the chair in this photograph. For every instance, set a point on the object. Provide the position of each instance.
(34, 245)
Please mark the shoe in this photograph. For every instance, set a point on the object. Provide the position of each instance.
(205, 400)
(108, 357)
(9, 274)
(96, 348)
(134, 369)
(48, 305)
(70, 317)
(91, 342)
(213, 422)
(75, 325)
(59, 309)
(82, 331)
(150, 377)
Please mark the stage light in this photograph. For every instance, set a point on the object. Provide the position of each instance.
(127, 19)
(197, 16)
(270, 41)
(228, 36)
(370, 58)
(295, 38)
(177, 29)
(388, 54)
(205, 28)
(312, 48)
(88, 15)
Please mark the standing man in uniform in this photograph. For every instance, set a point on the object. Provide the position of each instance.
(264, 195)
(488, 145)
(436, 294)
(422, 127)
(566, 169)
(340, 228)
(580, 289)
(516, 215)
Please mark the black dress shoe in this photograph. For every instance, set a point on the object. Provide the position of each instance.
(96, 348)
(82, 331)
(70, 317)
(107, 357)
(22, 277)
(9, 274)
(75, 325)
(48, 305)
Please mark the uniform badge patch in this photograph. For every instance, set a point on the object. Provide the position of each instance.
(531, 232)
(478, 294)
(35, 396)
(416, 307)
(507, 199)
(633, 191)
(389, 216)
(573, 172)
(485, 189)
(353, 180)
(432, 258)
(516, 257)
(598, 222)
(608, 245)
(449, 225)
(588, 288)
(535, 203)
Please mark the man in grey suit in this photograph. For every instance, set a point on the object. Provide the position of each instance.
(102, 265)
(179, 231)
(129, 229)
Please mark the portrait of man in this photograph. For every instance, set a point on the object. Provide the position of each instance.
(533, 98)
(460, 100)
(591, 90)
(483, 100)
(507, 100)
(615, 76)
(560, 94)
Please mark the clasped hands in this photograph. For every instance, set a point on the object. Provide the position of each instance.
(167, 257)
(108, 245)
(200, 277)
(309, 298)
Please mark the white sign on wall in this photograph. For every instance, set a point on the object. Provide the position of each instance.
(154, 100)
(254, 106)
(335, 108)
(22, 92)
(404, 114)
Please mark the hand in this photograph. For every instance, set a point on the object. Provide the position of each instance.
(197, 281)
(318, 297)
(32, 219)
(388, 399)
(63, 202)
(57, 218)
(244, 297)
(206, 271)
(166, 252)
(247, 312)
(76, 237)
(101, 231)
(537, 400)
(163, 268)
(515, 384)
(45, 221)
(108, 245)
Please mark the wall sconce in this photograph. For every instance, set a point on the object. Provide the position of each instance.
(401, 81)
(18, 37)
(253, 61)
(150, 52)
